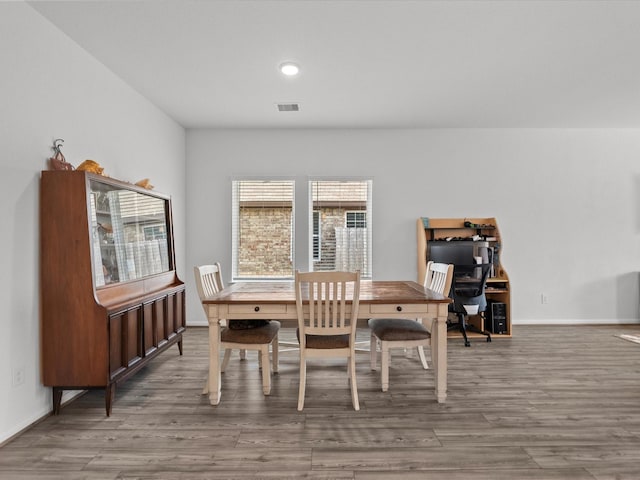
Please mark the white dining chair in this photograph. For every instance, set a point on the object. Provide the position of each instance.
(327, 307)
(407, 333)
(209, 282)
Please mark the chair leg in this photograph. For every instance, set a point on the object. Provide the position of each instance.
(274, 354)
(463, 329)
(225, 360)
(385, 366)
(423, 359)
(266, 371)
(303, 380)
(205, 389)
(473, 328)
(354, 384)
(373, 351)
(433, 362)
(243, 354)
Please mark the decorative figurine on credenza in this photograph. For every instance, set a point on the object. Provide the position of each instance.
(144, 183)
(58, 162)
(91, 166)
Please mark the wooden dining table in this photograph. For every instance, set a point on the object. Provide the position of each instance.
(378, 299)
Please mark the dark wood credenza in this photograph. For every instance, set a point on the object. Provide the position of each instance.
(110, 297)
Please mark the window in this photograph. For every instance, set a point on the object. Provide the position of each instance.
(356, 220)
(156, 232)
(263, 233)
(262, 229)
(341, 218)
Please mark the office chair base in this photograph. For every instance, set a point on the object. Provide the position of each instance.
(463, 326)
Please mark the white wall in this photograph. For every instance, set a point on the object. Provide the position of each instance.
(567, 203)
(51, 88)
(566, 200)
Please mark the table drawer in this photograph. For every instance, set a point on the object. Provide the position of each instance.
(257, 308)
(397, 308)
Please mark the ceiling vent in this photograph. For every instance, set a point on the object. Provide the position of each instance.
(288, 107)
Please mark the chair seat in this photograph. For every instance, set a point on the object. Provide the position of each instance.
(325, 341)
(258, 335)
(395, 329)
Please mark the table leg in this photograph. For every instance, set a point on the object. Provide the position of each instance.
(439, 346)
(214, 362)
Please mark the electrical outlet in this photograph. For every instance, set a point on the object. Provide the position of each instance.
(544, 298)
(17, 377)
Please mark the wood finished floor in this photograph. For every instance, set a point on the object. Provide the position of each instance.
(550, 403)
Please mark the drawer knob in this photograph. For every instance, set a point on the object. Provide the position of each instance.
(256, 309)
(399, 308)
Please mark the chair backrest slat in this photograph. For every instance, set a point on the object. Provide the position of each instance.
(332, 300)
(439, 277)
(208, 280)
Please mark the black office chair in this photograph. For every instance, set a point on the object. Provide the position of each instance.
(467, 292)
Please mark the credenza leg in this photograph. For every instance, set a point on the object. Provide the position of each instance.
(57, 399)
(109, 395)
(180, 346)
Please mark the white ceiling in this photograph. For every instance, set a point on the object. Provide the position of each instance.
(367, 64)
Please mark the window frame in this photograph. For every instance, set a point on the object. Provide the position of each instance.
(235, 214)
(367, 272)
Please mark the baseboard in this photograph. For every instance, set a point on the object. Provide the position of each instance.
(9, 435)
(577, 321)
(532, 321)
(202, 323)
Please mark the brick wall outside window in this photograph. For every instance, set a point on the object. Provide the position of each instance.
(265, 241)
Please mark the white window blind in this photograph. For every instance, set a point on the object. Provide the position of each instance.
(316, 236)
(344, 225)
(263, 229)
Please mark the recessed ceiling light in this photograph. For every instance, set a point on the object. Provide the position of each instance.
(289, 69)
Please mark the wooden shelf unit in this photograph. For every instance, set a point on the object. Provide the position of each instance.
(498, 288)
(104, 314)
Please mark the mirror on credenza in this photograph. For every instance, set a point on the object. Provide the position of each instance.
(129, 234)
